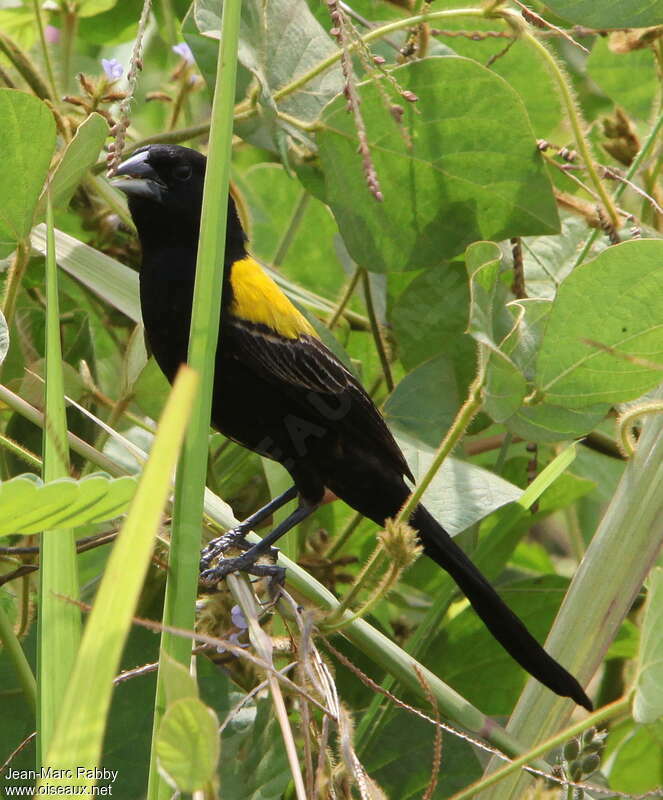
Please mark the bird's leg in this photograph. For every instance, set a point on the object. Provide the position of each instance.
(235, 536)
(247, 561)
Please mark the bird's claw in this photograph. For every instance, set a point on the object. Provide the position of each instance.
(217, 547)
(210, 574)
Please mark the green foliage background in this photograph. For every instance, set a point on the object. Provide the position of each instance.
(477, 160)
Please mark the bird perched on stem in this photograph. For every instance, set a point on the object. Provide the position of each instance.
(280, 392)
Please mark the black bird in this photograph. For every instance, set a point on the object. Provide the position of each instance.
(280, 392)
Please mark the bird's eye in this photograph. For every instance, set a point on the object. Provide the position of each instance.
(182, 172)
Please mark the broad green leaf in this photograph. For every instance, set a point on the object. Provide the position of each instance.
(81, 153)
(4, 337)
(187, 744)
(520, 65)
(467, 169)
(279, 41)
(461, 493)
(27, 142)
(609, 13)
(475, 664)
(549, 422)
(29, 506)
(254, 763)
(425, 402)
(178, 681)
(648, 700)
(636, 766)
(490, 324)
(549, 259)
(629, 79)
(430, 317)
(544, 422)
(399, 759)
(614, 301)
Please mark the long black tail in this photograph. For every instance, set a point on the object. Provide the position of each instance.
(496, 615)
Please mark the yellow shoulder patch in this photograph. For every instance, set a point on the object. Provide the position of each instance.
(256, 298)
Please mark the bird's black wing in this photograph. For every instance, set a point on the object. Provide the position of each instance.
(310, 375)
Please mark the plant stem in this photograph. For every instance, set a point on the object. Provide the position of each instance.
(573, 114)
(345, 299)
(13, 648)
(14, 279)
(650, 141)
(45, 51)
(24, 66)
(293, 225)
(182, 583)
(375, 329)
(615, 709)
(465, 415)
(69, 28)
(376, 33)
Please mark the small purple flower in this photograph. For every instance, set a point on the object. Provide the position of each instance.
(112, 68)
(52, 34)
(238, 618)
(183, 51)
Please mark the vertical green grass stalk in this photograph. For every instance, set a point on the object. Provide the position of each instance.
(182, 583)
(620, 555)
(59, 627)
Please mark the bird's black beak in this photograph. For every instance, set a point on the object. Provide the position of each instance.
(138, 178)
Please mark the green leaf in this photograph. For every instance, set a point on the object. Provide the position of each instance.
(188, 744)
(520, 65)
(609, 13)
(445, 184)
(27, 141)
(29, 506)
(625, 313)
(425, 402)
(545, 421)
(435, 302)
(178, 681)
(4, 337)
(254, 765)
(475, 664)
(636, 767)
(549, 259)
(629, 79)
(648, 701)
(81, 153)
(490, 324)
(399, 759)
(461, 493)
(279, 41)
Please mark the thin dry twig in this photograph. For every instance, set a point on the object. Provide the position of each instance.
(534, 19)
(135, 66)
(437, 745)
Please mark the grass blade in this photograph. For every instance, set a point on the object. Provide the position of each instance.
(59, 627)
(78, 737)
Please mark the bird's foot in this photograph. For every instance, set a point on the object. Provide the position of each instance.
(211, 573)
(217, 547)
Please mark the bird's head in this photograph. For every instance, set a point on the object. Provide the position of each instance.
(166, 176)
(164, 187)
